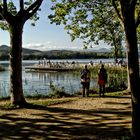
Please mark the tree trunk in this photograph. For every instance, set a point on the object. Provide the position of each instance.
(16, 89)
(116, 54)
(133, 69)
(128, 78)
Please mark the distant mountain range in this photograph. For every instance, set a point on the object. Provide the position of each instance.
(102, 50)
(6, 49)
(57, 54)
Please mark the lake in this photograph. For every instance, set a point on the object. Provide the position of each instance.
(39, 82)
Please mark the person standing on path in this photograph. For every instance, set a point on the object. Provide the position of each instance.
(102, 79)
(85, 81)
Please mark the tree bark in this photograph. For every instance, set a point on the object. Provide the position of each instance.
(133, 69)
(16, 89)
(128, 78)
(116, 53)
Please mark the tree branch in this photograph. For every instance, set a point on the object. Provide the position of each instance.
(117, 12)
(132, 3)
(33, 8)
(4, 12)
(21, 5)
(1, 17)
(1, 9)
(5, 5)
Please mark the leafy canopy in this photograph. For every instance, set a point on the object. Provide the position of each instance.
(90, 20)
(14, 10)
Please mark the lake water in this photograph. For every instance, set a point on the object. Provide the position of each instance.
(39, 82)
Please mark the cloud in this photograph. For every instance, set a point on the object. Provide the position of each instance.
(58, 47)
(42, 47)
(52, 46)
(61, 45)
(48, 42)
(37, 46)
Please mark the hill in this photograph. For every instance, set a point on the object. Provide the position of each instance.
(30, 54)
(75, 54)
(4, 52)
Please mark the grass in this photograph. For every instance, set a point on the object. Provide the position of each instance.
(34, 101)
(53, 100)
(47, 102)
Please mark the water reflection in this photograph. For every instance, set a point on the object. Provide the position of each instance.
(39, 83)
(35, 83)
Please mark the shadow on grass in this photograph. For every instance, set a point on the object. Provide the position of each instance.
(61, 123)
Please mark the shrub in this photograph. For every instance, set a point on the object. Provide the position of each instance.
(58, 92)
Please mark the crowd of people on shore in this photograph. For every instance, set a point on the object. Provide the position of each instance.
(52, 64)
(120, 63)
(63, 64)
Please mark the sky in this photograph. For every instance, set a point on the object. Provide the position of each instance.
(45, 36)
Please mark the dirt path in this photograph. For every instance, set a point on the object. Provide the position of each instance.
(92, 118)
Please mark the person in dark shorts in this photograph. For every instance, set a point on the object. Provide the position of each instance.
(102, 79)
(85, 81)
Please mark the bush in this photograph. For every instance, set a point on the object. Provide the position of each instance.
(58, 92)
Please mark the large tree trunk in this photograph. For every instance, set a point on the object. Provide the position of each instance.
(15, 24)
(133, 69)
(16, 89)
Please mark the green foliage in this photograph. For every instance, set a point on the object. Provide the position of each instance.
(90, 21)
(57, 92)
(6, 105)
(117, 77)
(12, 9)
(4, 25)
